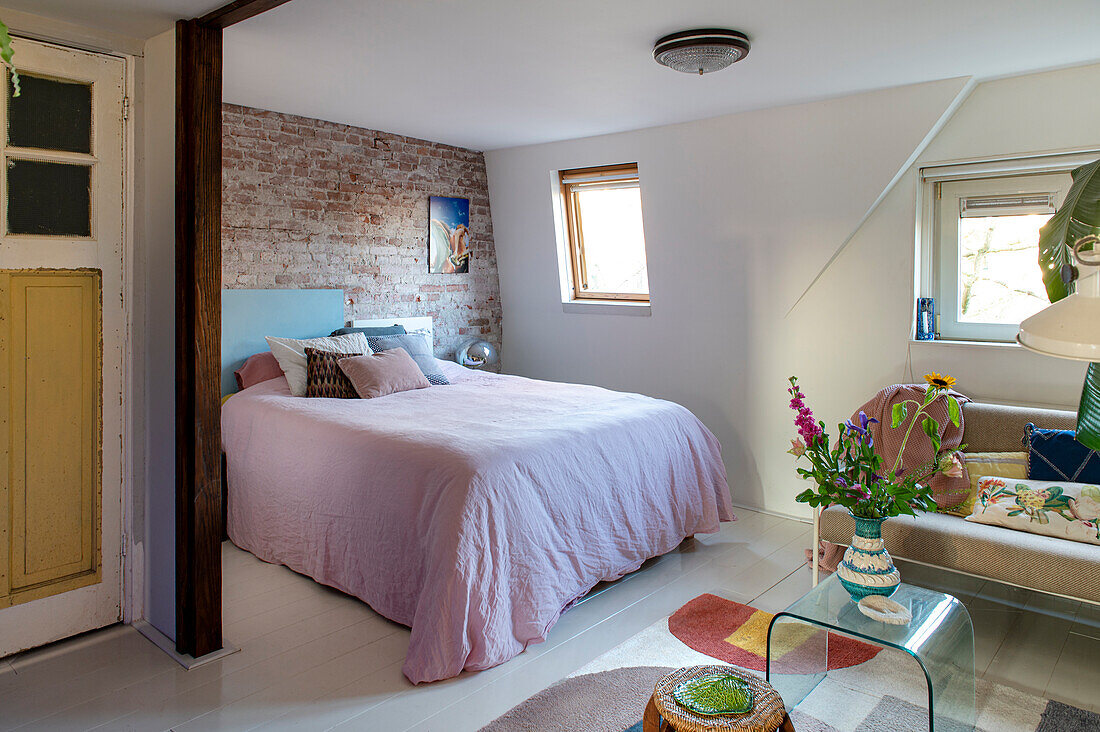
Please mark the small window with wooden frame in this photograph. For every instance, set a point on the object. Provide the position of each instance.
(602, 208)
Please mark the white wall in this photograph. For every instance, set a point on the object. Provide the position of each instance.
(157, 271)
(741, 213)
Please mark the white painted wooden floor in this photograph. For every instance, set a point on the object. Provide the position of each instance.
(315, 659)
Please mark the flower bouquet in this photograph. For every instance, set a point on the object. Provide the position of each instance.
(850, 473)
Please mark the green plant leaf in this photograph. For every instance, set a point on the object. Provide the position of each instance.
(1088, 414)
(1079, 215)
(715, 694)
(930, 427)
(926, 503)
(953, 410)
(900, 411)
(7, 53)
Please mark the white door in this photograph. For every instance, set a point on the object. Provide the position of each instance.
(61, 262)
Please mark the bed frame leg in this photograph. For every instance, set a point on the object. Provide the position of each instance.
(816, 548)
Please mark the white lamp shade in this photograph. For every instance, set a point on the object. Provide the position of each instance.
(1069, 328)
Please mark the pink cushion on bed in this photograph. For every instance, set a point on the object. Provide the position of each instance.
(382, 373)
(257, 368)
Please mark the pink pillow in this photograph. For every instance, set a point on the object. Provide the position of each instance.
(382, 373)
(257, 368)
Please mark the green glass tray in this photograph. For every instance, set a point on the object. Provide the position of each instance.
(714, 694)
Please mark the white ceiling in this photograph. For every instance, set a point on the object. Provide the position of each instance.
(496, 73)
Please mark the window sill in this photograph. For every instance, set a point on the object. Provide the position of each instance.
(999, 345)
(606, 307)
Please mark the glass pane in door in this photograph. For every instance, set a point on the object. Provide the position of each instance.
(50, 199)
(50, 114)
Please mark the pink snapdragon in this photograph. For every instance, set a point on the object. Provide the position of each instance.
(808, 428)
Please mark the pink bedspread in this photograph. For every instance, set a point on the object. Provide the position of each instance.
(473, 513)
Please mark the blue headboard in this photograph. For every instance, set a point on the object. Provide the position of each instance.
(249, 315)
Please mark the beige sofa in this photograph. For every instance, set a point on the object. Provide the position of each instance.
(1042, 563)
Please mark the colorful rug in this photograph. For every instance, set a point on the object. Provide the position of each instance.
(737, 634)
(884, 693)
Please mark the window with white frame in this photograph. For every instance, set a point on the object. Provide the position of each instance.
(602, 208)
(983, 266)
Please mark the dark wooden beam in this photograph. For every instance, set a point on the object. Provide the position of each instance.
(198, 337)
(239, 10)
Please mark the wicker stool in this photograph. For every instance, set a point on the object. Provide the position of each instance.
(663, 714)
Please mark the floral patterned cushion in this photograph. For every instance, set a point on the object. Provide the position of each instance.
(1051, 508)
(984, 465)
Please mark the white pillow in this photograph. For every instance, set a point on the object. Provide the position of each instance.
(291, 354)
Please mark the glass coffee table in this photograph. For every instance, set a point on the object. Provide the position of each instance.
(940, 638)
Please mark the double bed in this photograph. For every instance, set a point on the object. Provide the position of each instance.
(474, 513)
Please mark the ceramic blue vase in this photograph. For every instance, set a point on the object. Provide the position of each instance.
(867, 568)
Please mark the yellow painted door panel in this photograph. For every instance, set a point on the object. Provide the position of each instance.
(52, 338)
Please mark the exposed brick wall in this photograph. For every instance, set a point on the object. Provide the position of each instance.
(308, 203)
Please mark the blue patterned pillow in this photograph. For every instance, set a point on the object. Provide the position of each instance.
(416, 345)
(1057, 455)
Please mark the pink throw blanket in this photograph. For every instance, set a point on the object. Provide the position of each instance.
(473, 513)
(946, 491)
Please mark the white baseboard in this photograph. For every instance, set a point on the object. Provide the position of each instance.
(757, 509)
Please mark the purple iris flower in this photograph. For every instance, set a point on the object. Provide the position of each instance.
(864, 420)
(862, 428)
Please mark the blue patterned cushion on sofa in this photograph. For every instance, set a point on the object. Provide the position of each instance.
(1057, 455)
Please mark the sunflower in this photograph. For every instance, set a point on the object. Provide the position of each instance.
(939, 382)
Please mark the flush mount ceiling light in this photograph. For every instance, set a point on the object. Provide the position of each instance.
(702, 50)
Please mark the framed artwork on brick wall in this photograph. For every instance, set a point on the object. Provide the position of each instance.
(448, 235)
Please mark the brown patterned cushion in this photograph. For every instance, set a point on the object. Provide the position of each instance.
(324, 377)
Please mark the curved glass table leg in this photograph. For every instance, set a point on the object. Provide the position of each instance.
(940, 638)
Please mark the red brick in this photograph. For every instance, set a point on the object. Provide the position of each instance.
(317, 204)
